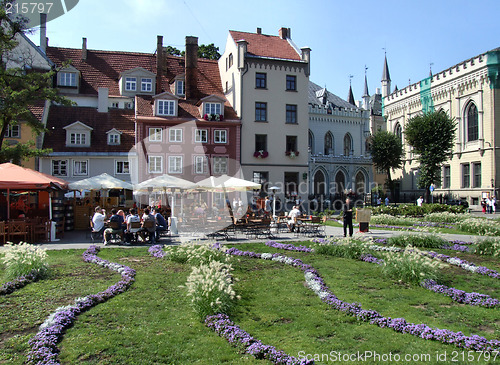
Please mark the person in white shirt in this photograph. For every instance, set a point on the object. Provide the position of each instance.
(98, 220)
(493, 205)
(292, 221)
(420, 200)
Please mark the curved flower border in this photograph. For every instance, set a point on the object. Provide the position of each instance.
(316, 283)
(18, 283)
(44, 344)
(461, 296)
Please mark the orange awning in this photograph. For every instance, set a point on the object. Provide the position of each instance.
(14, 177)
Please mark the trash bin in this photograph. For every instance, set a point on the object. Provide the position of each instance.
(363, 217)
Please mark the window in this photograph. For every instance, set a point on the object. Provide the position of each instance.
(310, 142)
(113, 139)
(260, 80)
(347, 145)
(220, 136)
(261, 142)
(230, 60)
(175, 164)
(472, 123)
(201, 136)
(155, 134)
(398, 131)
(175, 135)
(166, 107)
(80, 168)
(77, 138)
(477, 175)
(291, 143)
(155, 164)
(260, 112)
(328, 143)
(179, 87)
(220, 165)
(67, 79)
(291, 114)
(465, 175)
(200, 164)
(212, 108)
(14, 131)
(130, 83)
(147, 85)
(59, 167)
(261, 177)
(446, 177)
(291, 82)
(122, 167)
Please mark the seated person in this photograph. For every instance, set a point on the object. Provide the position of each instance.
(148, 228)
(98, 221)
(133, 217)
(292, 221)
(161, 223)
(118, 220)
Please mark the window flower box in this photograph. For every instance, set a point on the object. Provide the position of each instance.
(216, 117)
(292, 154)
(260, 154)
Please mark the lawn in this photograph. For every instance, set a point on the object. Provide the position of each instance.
(153, 323)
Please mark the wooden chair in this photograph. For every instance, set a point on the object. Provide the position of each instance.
(116, 232)
(3, 233)
(17, 229)
(41, 230)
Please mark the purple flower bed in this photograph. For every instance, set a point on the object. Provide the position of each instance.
(316, 283)
(288, 246)
(461, 296)
(224, 327)
(456, 247)
(44, 344)
(18, 283)
(156, 251)
(469, 266)
(371, 259)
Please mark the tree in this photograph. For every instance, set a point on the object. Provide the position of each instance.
(387, 154)
(204, 51)
(431, 135)
(21, 87)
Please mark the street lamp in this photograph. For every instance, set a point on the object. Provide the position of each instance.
(273, 189)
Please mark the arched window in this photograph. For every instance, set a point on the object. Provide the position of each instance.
(319, 183)
(328, 143)
(339, 183)
(311, 143)
(398, 131)
(472, 122)
(360, 183)
(347, 144)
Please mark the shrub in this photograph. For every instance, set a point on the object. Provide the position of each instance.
(410, 210)
(195, 253)
(479, 226)
(24, 259)
(347, 248)
(410, 266)
(488, 247)
(417, 240)
(391, 220)
(210, 287)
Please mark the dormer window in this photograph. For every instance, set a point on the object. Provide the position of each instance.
(78, 135)
(165, 107)
(180, 87)
(130, 83)
(114, 137)
(67, 79)
(147, 85)
(78, 139)
(212, 108)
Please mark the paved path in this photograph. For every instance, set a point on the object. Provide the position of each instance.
(82, 240)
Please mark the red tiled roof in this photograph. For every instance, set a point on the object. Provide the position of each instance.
(62, 116)
(267, 45)
(37, 109)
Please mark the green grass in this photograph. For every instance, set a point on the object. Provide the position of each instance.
(153, 323)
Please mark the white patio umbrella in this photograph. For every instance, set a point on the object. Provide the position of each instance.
(100, 182)
(226, 183)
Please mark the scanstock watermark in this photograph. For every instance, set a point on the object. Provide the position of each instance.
(31, 10)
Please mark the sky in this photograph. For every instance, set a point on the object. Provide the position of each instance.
(344, 36)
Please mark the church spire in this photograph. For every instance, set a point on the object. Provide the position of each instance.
(366, 94)
(386, 78)
(350, 97)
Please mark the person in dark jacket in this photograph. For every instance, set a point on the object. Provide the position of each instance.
(347, 215)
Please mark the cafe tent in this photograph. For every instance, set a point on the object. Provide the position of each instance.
(100, 182)
(226, 183)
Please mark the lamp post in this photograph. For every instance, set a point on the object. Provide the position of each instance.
(273, 189)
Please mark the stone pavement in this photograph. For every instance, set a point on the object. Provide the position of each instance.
(82, 240)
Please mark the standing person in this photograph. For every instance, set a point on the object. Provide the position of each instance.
(386, 201)
(488, 205)
(298, 202)
(493, 205)
(347, 215)
(267, 206)
(420, 200)
(483, 206)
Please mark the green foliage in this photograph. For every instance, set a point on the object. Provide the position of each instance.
(347, 248)
(195, 253)
(169, 50)
(431, 135)
(209, 51)
(411, 267)
(488, 247)
(411, 210)
(417, 240)
(23, 259)
(21, 151)
(387, 153)
(480, 226)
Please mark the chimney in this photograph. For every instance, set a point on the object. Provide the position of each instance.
(191, 67)
(306, 56)
(242, 51)
(159, 63)
(102, 100)
(283, 32)
(43, 32)
(84, 49)
(259, 30)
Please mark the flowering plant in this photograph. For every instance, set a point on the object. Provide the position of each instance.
(216, 117)
(292, 154)
(24, 259)
(261, 154)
